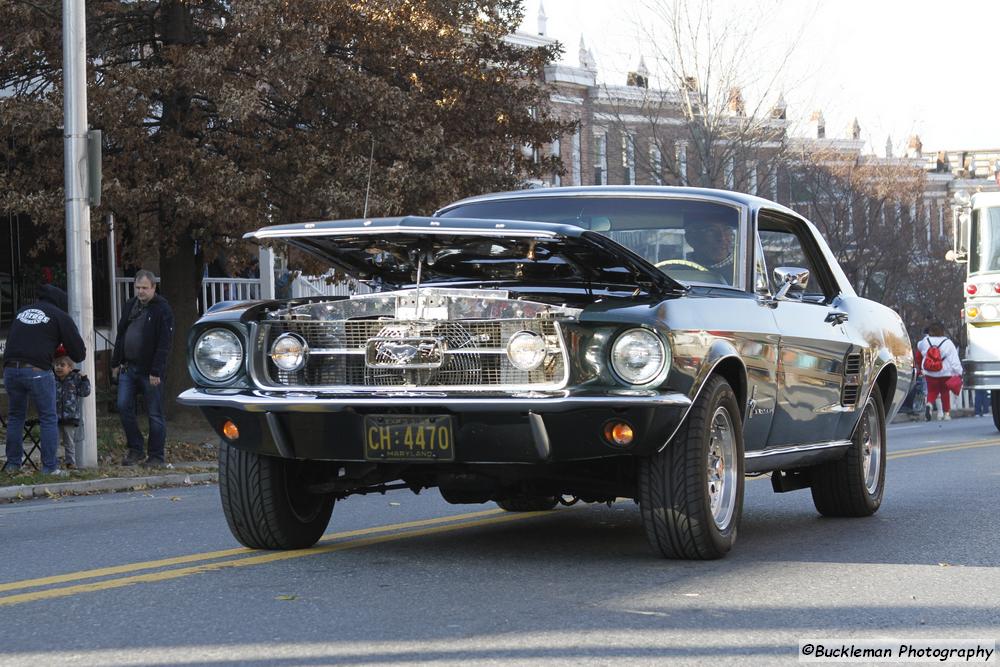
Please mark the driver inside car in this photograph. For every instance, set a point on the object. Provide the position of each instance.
(713, 244)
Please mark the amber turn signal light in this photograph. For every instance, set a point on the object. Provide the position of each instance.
(619, 433)
(230, 431)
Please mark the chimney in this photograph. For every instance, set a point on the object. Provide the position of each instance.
(817, 125)
(541, 18)
(914, 147)
(888, 146)
(780, 108)
(640, 77)
(854, 130)
(942, 164)
(735, 103)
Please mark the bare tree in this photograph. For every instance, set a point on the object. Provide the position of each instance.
(695, 110)
(870, 210)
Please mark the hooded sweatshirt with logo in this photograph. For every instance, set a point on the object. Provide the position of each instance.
(38, 329)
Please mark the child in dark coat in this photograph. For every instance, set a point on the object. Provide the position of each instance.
(71, 386)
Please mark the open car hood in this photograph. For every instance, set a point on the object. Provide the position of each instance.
(393, 251)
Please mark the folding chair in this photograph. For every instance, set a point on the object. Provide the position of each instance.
(35, 442)
(32, 442)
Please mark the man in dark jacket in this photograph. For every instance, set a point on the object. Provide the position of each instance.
(145, 334)
(34, 335)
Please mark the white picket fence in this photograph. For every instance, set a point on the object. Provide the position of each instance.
(217, 290)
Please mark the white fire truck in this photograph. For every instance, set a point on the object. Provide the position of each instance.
(977, 244)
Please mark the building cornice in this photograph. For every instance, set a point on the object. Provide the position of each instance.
(569, 75)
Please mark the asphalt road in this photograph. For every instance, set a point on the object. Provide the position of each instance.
(156, 579)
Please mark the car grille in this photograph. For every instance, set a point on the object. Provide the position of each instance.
(467, 355)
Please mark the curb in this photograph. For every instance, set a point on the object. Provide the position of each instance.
(24, 492)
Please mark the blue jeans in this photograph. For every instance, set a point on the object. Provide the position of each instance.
(132, 382)
(982, 402)
(40, 387)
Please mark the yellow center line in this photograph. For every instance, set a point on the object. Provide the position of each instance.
(224, 553)
(268, 557)
(938, 449)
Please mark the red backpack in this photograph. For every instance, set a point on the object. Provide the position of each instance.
(933, 361)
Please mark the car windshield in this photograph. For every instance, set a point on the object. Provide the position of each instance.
(985, 256)
(691, 241)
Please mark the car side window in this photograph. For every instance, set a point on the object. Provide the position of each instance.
(783, 243)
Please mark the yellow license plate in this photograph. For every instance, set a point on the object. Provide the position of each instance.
(409, 438)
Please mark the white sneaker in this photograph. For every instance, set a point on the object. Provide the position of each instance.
(940, 416)
(947, 416)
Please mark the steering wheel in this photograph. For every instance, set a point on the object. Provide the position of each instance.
(682, 262)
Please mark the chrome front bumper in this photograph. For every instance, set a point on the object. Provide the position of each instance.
(981, 374)
(557, 401)
(531, 427)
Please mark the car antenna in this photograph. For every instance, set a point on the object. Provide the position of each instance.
(368, 188)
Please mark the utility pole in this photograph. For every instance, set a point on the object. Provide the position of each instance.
(78, 272)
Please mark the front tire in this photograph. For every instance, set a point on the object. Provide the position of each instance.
(265, 501)
(995, 406)
(691, 493)
(853, 486)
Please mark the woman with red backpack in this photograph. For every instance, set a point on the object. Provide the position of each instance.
(939, 363)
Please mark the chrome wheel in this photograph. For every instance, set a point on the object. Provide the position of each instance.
(871, 448)
(722, 468)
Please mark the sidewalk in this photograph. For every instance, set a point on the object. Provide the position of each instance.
(179, 474)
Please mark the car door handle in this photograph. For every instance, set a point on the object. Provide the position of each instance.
(836, 317)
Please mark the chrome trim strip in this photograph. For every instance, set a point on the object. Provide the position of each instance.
(279, 436)
(540, 436)
(796, 449)
(398, 229)
(259, 401)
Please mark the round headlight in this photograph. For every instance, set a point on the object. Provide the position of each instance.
(218, 354)
(526, 350)
(289, 352)
(638, 356)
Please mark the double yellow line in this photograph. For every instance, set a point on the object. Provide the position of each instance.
(940, 449)
(241, 557)
(166, 568)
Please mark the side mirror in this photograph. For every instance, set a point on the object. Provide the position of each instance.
(790, 279)
(961, 227)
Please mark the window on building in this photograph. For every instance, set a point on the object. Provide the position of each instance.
(601, 161)
(730, 170)
(656, 164)
(681, 160)
(577, 166)
(628, 158)
(752, 175)
(554, 151)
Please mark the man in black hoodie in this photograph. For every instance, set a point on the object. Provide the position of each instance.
(34, 335)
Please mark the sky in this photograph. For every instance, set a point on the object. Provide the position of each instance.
(900, 67)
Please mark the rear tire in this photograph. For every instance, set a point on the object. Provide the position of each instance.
(853, 486)
(691, 493)
(528, 503)
(265, 501)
